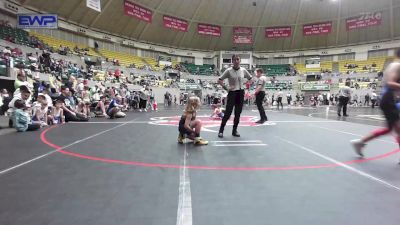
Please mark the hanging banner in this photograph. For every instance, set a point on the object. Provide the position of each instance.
(94, 4)
(175, 23)
(137, 11)
(365, 20)
(242, 35)
(208, 29)
(278, 32)
(317, 29)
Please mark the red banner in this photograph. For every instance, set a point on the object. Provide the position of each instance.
(278, 32)
(175, 23)
(242, 30)
(365, 20)
(208, 29)
(242, 35)
(134, 10)
(317, 29)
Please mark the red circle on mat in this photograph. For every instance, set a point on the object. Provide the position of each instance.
(43, 138)
(207, 121)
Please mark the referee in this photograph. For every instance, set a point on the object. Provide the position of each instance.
(260, 94)
(344, 98)
(235, 76)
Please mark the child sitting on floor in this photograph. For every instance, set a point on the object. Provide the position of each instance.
(22, 118)
(58, 113)
(189, 126)
(218, 113)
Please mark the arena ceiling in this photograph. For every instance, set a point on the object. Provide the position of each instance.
(257, 14)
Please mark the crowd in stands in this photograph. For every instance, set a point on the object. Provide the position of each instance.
(37, 104)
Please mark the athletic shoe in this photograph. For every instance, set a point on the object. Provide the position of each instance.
(145, 110)
(358, 145)
(235, 134)
(181, 138)
(140, 110)
(220, 135)
(200, 141)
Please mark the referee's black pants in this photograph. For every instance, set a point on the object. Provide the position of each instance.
(259, 102)
(234, 99)
(343, 101)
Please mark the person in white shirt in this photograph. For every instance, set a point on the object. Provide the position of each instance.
(260, 94)
(344, 98)
(374, 97)
(279, 99)
(235, 75)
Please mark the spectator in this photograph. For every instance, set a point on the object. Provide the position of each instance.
(4, 100)
(374, 97)
(40, 110)
(68, 106)
(22, 119)
(100, 109)
(21, 80)
(144, 95)
(114, 108)
(24, 96)
(58, 113)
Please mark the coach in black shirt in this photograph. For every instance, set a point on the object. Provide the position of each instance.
(236, 76)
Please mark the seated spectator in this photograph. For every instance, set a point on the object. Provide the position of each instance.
(58, 113)
(7, 51)
(100, 109)
(83, 109)
(24, 95)
(40, 110)
(68, 106)
(117, 75)
(16, 52)
(21, 80)
(218, 112)
(115, 107)
(22, 119)
(4, 100)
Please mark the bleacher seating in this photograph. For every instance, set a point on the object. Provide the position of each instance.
(123, 58)
(324, 66)
(363, 66)
(152, 62)
(55, 43)
(205, 69)
(276, 70)
(19, 36)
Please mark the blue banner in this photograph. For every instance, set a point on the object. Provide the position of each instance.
(34, 21)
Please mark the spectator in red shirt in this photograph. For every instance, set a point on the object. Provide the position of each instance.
(117, 74)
